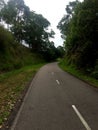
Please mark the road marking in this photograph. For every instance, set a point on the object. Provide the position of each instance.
(52, 73)
(58, 82)
(81, 118)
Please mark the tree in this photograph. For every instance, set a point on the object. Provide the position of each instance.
(80, 27)
(12, 14)
(63, 25)
(36, 26)
(28, 26)
(60, 51)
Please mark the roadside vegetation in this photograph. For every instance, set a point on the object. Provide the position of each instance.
(12, 86)
(18, 65)
(79, 29)
(72, 69)
(24, 47)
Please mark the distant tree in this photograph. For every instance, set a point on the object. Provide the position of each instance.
(60, 51)
(50, 52)
(36, 26)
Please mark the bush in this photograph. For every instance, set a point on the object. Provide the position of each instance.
(95, 72)
(14, 55)
(6, 39)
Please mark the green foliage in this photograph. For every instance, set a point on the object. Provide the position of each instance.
(36, 27)
(71, 68)
(80, 29)
(6, 38)
(60, 51)
(12, 86)
(49, 52)
(64, 23)
(30, 27)
(14, 55)
(94, 73)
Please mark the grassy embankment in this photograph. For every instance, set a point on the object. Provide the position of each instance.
(78, 73)
(14, 79)
(17, 67)
(12, 84)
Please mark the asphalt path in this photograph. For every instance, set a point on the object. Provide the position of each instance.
(57, 100)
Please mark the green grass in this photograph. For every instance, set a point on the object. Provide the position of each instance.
(78, 73)
(12, 84)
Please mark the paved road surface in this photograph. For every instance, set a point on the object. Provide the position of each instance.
(58, 101)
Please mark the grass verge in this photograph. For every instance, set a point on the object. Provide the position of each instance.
(78, 73)
(12, 84)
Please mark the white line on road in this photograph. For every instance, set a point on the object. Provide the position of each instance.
(81, 118)
(58, 82)
(52, 73)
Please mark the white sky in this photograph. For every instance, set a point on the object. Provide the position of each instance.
(53, 11)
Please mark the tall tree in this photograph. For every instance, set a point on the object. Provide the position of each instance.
(28, 26)
(63, 25)
(12, 14)
(35, 26)
(80, 27)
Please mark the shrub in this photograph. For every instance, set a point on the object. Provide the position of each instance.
(6, 39)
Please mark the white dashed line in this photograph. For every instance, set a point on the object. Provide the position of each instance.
(58, 82)
(81, 118)
(52, 73)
